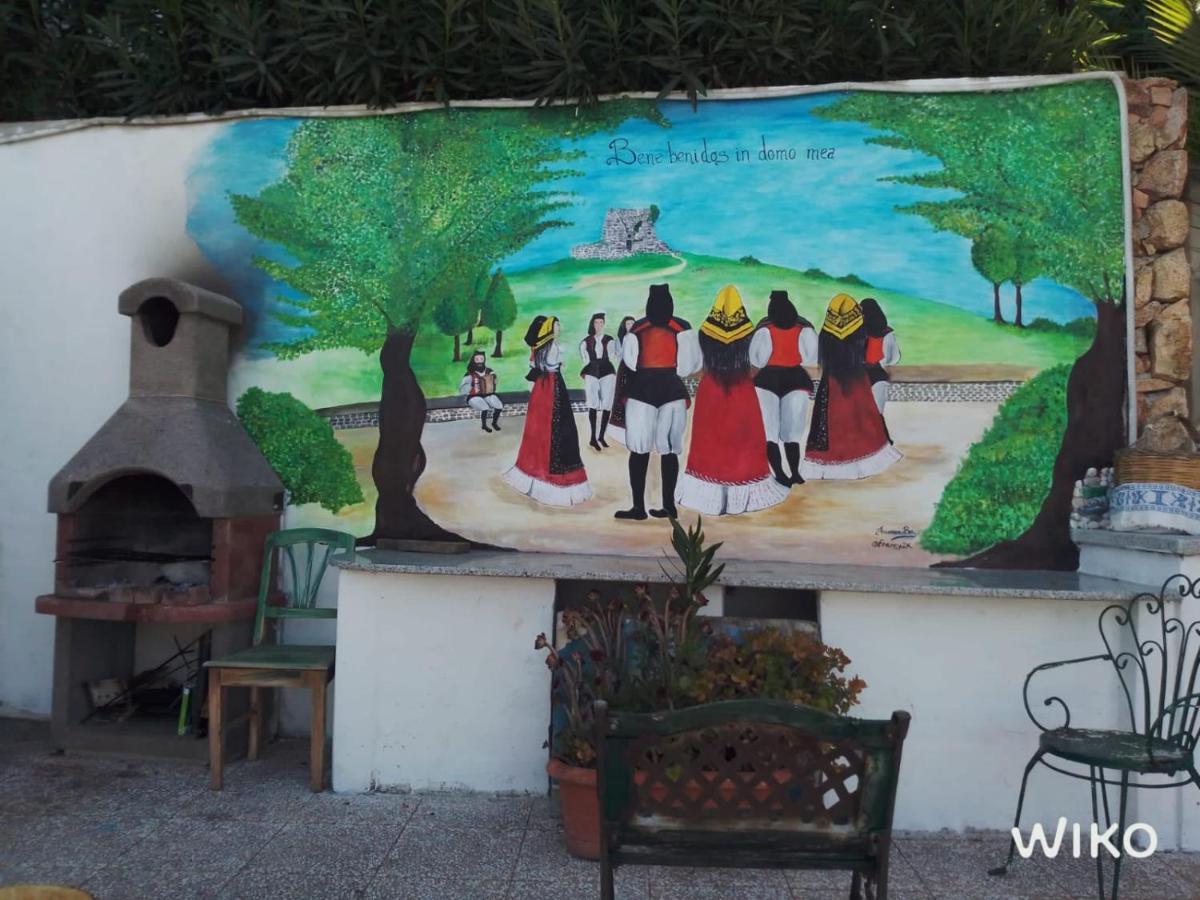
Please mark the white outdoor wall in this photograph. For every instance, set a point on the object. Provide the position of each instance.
(82, 216)
(958, 665)
(438, 684)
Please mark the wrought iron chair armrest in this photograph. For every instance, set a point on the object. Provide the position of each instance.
(1055, 699)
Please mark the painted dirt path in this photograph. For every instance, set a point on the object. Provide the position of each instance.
(589, 280)
(828, 522)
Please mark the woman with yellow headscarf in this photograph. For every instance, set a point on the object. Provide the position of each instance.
(848, 438)
(548, 467)
(727, 472)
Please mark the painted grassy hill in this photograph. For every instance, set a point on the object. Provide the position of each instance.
(930, 332)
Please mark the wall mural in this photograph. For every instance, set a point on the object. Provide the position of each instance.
(846, 327)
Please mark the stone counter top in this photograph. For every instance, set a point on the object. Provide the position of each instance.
(796, 576)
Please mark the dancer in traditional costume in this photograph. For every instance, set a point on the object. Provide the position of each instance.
(660, 350)
(781, 347)
(848, 438)
(599, 376)
(882, 350)
(478, 385)
(616, 422)
(727, 472)
(548, 466)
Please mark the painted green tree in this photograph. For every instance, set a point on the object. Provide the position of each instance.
(993, 256)
(1046, 162)
(498, 310)
(373, 213)
(457, 307)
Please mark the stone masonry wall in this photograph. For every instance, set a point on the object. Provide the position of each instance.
(1162, 335)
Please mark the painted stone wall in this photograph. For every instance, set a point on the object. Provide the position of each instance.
(1162, 275)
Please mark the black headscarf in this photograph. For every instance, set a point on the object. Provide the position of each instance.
(623, 329)
(531, 333)
(780, 311)
(875, 323)
(660, 305)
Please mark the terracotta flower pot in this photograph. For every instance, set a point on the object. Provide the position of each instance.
(580, 808)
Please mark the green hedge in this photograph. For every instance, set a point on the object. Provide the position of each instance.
(301, 448)
(76, 58)
(1000, 486)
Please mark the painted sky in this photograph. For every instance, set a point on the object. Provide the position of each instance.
(833, 212)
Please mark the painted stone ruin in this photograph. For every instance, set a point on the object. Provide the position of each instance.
(869, 356)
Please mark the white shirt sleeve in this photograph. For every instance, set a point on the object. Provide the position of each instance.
(583, 354)
(629, 351)
(690, 359)
(554, 356)
(616, 351)
(464, 386)
(891, 350)
(760, 348)
(808, 346)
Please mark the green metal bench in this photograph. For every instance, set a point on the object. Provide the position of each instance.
(1156, 658)
(748, 783)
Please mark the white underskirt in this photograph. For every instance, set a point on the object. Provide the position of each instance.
(616, 432)
(864, 467)
(547, 493)
(713, 499)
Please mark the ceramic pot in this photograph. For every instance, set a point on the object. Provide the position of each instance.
(580, 808)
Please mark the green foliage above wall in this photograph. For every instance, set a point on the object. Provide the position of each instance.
(1000, 486)
(301, 448)
(132, 57)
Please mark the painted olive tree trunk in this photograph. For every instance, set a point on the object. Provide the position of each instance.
(997, 315)
(400, 458)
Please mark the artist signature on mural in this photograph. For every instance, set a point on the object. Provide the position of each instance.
(894, 538)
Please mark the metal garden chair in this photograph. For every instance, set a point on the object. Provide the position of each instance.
(1156, 658)
(306, 553)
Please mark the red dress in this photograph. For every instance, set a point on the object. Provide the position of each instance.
(727, 470)
(848, 437)
(548, 467)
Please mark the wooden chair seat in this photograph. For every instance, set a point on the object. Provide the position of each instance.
(279, 656)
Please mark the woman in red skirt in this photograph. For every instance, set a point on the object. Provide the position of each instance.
(848, 438)
(548, 467)
(727, 472)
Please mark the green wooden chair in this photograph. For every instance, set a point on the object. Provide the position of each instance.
(1156, 659)
(748, 783)
(305, 552)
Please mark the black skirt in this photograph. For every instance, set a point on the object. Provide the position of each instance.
(657, 387)
(782, 380)
(598, 368)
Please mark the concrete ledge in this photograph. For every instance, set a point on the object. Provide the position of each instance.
(1149, 541)
(992, 583)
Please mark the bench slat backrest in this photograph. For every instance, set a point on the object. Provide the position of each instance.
(763, 767)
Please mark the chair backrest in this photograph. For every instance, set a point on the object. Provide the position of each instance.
(754, 766)
(1157, 660)
(304, 555)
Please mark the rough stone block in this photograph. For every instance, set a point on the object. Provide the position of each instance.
(1145, 314)
(1172, 276)
(1166, 435)
(1142, 140)
(1143, 284)
(1173, 131)
(1139, 341)
(1171, 349)
(1171, 402)
(1160, 95)
(1164, 174)
(1165, 224)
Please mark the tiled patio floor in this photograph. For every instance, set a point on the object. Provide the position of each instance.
(131, 830)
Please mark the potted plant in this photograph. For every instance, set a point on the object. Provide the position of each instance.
(645, 653)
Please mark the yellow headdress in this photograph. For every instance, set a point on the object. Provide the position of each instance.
(843, 318)
(727, 320)
(546, 333)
